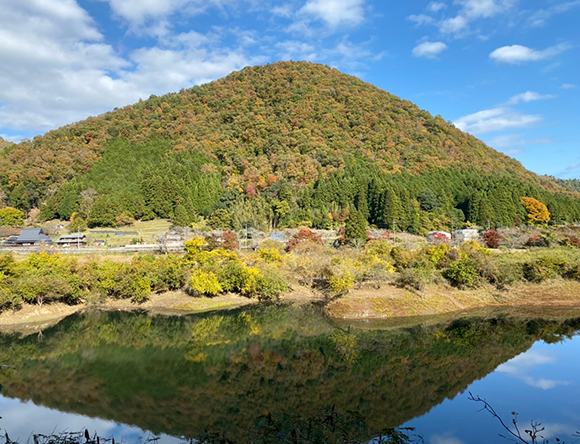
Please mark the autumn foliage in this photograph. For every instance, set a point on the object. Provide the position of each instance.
(492, 238)
(302, 236)
(538, 213)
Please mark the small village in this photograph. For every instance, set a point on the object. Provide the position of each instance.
(30, 240)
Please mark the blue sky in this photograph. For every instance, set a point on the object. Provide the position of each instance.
(507, 71)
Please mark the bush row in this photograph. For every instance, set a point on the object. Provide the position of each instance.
(207, 269)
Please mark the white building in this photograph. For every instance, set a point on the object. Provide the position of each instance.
(467, 235)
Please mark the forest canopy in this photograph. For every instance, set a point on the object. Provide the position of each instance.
(286, 144)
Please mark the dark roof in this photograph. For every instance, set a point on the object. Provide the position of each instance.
(72, 236)
(33, 236)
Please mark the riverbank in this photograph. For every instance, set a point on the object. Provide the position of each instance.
(394, 302)
(388, 302)
(33, 318)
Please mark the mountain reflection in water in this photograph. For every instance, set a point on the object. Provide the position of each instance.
(181, 376)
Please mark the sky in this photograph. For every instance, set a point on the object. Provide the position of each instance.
(506, 71)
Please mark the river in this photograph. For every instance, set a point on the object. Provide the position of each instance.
(132, 375)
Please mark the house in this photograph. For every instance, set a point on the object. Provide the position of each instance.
(466, 235)
(99, 243)
(10, 241)
(277, 236)
(32, 237)
(72, 240)
(173, 239)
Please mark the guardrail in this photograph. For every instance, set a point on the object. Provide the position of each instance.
(89, 250)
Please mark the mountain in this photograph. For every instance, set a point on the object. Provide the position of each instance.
(281, 144)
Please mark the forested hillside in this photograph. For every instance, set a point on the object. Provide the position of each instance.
(278, 145)
(571, 184)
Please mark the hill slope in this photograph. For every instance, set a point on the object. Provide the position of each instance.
(275, 144)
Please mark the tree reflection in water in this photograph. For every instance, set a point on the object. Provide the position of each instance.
(218, 372)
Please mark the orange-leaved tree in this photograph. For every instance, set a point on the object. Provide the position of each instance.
(538, 213)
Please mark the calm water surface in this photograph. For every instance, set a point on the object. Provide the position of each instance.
(130, 374)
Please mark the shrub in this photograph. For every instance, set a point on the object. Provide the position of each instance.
(270, 284)
(544, 268)
(303, 236)
(205, 283)
(437, 252)
(270, 255)
(440, 238)
(237, 277)
(448, 258)
(168, 273)
(7, 264)
(570, 241)
(37, 288)
(415, 278)
(230, 241)
(492, 238)
(536, 241)
(462, 273)
(11, 217)
(269, 244)
(8, 299)
(403, 257)
(124, 220)
(342, 282)
(124, 281)
(379, 247)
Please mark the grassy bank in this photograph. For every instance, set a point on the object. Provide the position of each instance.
(377, 280)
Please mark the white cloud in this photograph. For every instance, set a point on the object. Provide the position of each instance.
(54, 65)
(540, 17)
(569, 86)
(14, 139)
(474, 9)
(516, 140)
(335, 13)
(528, 96)
(161, 70)
(421, 19)
(296, 50)
(541, 383)
(454, 25)
(285, 11)
(56, 69)
(517, 54)
(496, 119)
(445, 438)
(436, 6)
(554, 429)
(529, 359)
(429, 49)
(471, 10)
(517, 367)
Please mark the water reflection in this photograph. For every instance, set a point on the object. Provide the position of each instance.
(222, 371)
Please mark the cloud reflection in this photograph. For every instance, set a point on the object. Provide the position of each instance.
(518, 366)
(21, 419)
(445, 438)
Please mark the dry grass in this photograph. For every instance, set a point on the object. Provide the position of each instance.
(390, 301)
(149, 231)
